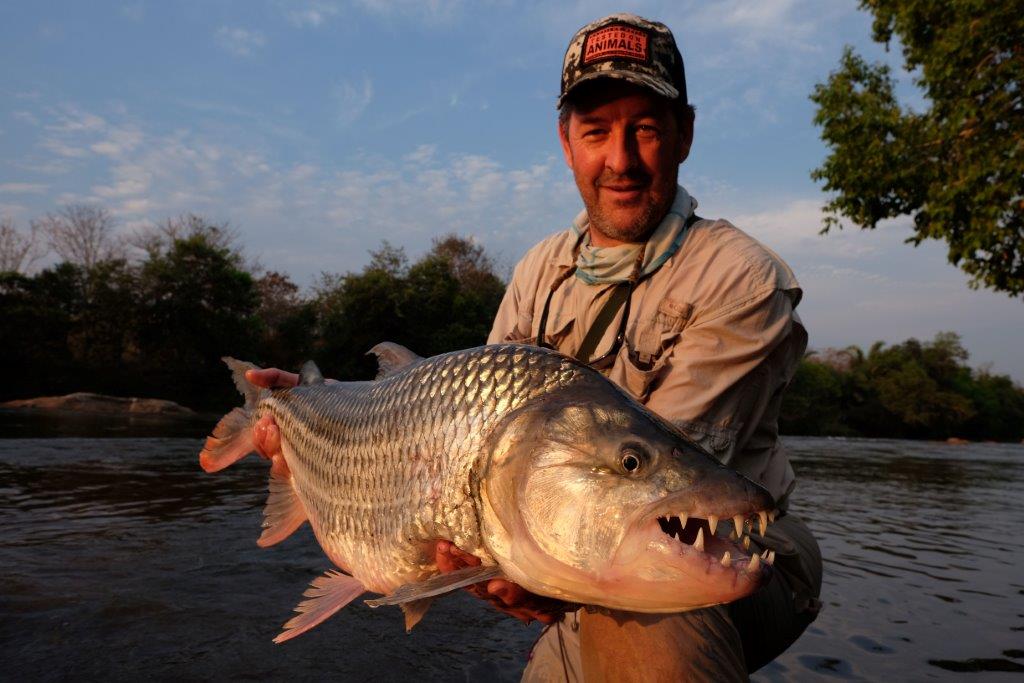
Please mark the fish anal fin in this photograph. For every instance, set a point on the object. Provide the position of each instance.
(392, 358)
(438, 584)
(284, 512)
(325, 596)
(414, 611)
(231, 441)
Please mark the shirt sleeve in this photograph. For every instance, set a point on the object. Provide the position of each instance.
(722, 382)
(508, 320)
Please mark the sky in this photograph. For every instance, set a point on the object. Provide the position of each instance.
(319, 128)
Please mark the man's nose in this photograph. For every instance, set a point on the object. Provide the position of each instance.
(622, 153)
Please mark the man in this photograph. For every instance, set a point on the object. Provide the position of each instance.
(692, 317)
(710, 343)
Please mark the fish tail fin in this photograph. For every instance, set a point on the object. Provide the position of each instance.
(231, 441)
(232, 438)
(246, 388)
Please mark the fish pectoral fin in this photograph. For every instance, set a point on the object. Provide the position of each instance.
(414, 612)
(436, 585)
(327, 594)
(283, 513)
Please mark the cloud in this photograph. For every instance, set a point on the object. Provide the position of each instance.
(23, 188)
(135, 11)
(352, 99)
(239, 41)
(313, 13)
(299, 216)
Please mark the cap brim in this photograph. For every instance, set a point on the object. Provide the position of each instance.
(658, 86)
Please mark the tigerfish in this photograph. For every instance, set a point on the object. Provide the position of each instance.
(532, 461)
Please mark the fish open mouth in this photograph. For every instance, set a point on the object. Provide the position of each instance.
(726, 542)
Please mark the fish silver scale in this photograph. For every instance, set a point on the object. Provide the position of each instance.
(383, 468)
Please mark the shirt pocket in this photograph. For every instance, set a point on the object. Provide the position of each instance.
(654, 337)
(643, 363)
(715, 440)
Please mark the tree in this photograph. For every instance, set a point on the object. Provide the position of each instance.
(18, 252)
(197, 303)
(958, 167)
(81, 234)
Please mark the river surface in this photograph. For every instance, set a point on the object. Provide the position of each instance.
(120, 559)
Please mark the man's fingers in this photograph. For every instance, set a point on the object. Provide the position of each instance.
(272, 378)
(510, 594)
(267, 438)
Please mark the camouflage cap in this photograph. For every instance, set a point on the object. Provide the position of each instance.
(628, 47)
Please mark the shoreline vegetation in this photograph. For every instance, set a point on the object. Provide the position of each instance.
(151, 317)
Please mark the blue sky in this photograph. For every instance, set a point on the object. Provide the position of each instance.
(318, 128)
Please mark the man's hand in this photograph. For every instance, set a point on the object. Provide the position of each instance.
(265, 433)
(506, 596)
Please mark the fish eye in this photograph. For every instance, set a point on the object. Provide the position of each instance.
(631, 459)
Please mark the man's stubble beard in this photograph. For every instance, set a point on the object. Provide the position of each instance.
(636, 231)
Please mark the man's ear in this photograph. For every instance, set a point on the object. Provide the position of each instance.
(685, 139)
(564, 139)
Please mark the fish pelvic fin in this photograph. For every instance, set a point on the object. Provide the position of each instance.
(284, 512)
(391, 358)
(414, 612)
(438, 584)
(326, 595)
(231, 441)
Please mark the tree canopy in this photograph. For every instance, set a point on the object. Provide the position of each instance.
(956, 167)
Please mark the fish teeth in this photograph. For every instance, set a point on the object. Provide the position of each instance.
(737, 521)
(726, 559)
(683, 517)
(699, 542)
(712, 523)
(746, 542)
(772, 515)
(763, 516)
(769, 557)
(755, 562)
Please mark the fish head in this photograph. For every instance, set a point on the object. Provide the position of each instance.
(593, 499)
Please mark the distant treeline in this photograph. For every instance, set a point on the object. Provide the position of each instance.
(911, 390)
(155, 324)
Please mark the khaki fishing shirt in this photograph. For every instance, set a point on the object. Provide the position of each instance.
(711, 342)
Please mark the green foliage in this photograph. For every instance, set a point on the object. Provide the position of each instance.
(443, 302)
(908, 390)
(958, 167)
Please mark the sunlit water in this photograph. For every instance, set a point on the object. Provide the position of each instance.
(120, 559)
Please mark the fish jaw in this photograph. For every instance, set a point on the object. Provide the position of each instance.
(562, 521)
(666, 564)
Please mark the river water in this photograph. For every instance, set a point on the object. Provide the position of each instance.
(120, 559)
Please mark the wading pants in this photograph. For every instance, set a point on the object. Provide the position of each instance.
(721, 643)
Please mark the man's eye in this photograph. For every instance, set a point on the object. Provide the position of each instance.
(593, 132)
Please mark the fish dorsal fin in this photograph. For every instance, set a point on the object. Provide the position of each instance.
(327, 594)
(310, 374)
(391, 358)
(436, 585)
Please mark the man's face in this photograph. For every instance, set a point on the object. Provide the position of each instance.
(624, 147)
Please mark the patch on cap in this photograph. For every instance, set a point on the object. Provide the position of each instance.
(617, 41)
